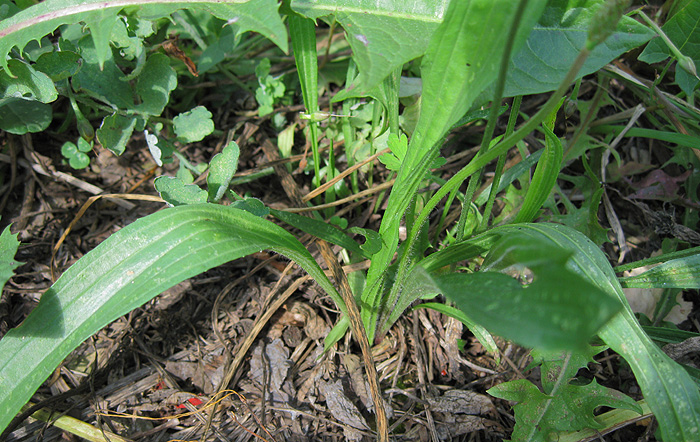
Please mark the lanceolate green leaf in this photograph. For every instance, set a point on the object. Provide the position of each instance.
(321, 229)
(462, 59)
(540, 314)
(41, 19)
(125, 271)
(671, 393)
(303, 34)
(546, 173)
(383, 35)
(682, 273)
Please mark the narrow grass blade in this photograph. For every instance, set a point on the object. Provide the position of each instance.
(128, 269)
(303, 34)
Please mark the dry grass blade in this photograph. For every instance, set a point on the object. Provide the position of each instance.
(323, 188)
(358, 331)
(83, 209)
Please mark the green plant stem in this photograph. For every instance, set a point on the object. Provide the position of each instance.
(683, 60)
(348, 133)
(551, 394)
(515, 108)
(478, 162)
(493, 116)
(302, 31)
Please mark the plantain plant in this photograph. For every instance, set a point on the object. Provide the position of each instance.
(466, 62)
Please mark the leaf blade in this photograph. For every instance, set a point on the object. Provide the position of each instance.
(670, 392)
(128, 269)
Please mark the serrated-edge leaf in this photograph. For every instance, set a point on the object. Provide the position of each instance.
(128, 269)
(671, 393)
(42, 19)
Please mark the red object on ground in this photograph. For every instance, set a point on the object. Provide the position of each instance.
(193, 400)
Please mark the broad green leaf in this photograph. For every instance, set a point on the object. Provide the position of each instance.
(671, 393)
(42, 19)
(683, 29)
(555, 309)
(193, 125)
(58, 65)
(69, 149)
(222, 46)
(154, 85)
(382, 35)
(84, 146)
(683, 273)
(571, 409)
(253, 206)
(105, 84)
(115, 132)
(29, 83)
(555, 42)
(21, 115)
(79, 161)
(568, 407)
(8, 250)
(176, 193)
(221, 170)
(128, 269)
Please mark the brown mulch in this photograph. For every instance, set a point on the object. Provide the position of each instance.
(255, 320)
